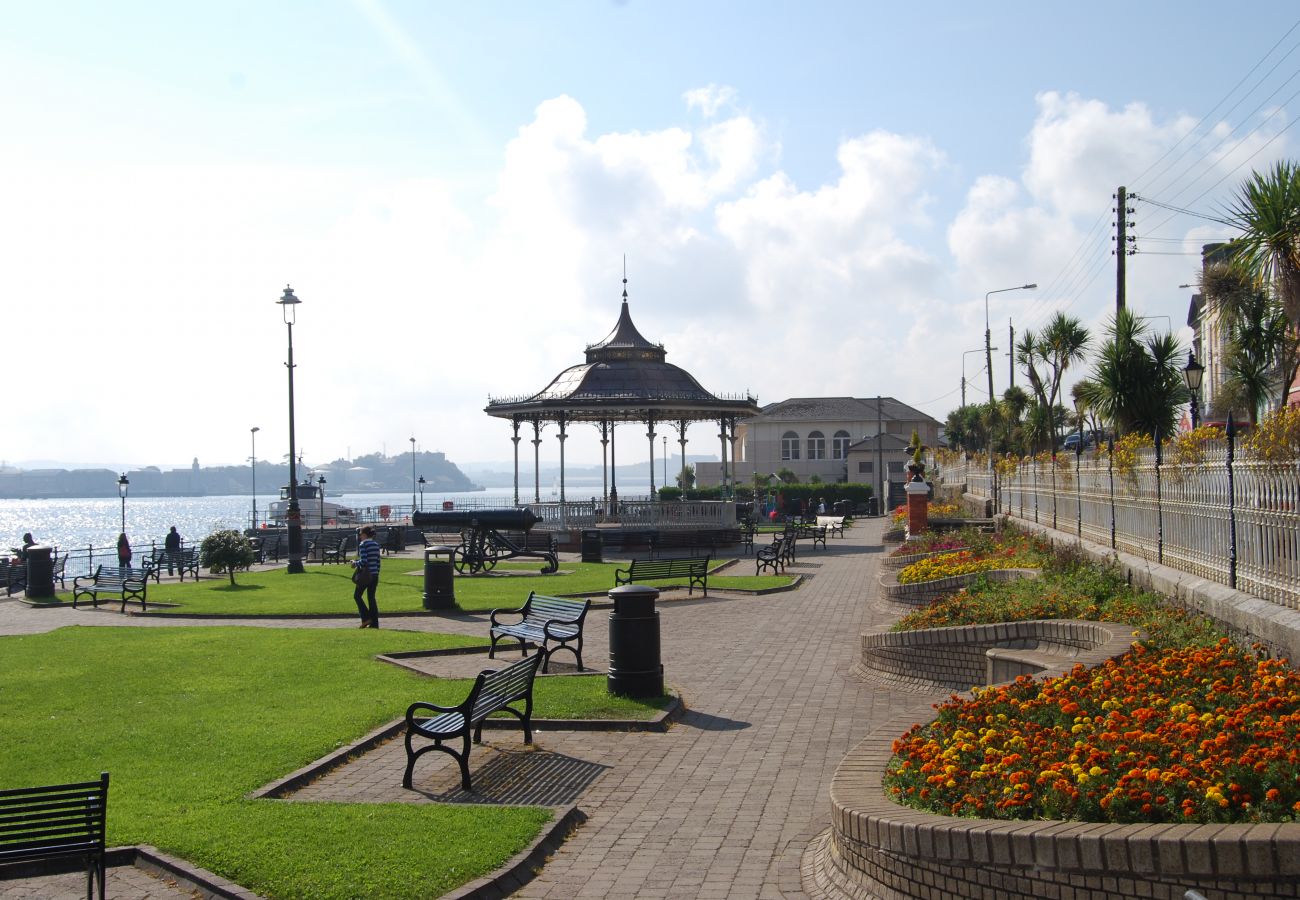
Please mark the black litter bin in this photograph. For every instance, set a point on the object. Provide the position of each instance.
(593, 546)
(439, 583)
(40, 572)
(634, 666)
(873, 506)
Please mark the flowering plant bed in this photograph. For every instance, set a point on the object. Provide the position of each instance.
(1196, 735)
(1008, 551)
(930, 543)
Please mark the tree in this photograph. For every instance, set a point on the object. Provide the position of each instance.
(226, 550)
(1267, 210)
(1061, 344)
(787, 476)
(1136, 382)
(1262, 352)
(686, 477)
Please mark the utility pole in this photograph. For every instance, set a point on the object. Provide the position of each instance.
(880, 449)
(963, 390)
(1011, 354)
(1122, 241)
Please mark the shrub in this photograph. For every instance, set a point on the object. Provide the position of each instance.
(226, 551)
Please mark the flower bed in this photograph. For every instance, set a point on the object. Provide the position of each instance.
(1202, 734)
(1008, 551)
(931, 543)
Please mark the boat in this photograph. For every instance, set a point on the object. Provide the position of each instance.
(316, 511)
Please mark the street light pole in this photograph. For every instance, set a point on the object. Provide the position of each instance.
(293, 515)
(1193, 373)
(988, 335)
(966, 353)
(253, 434)
(320, 487)
(412, 474)
(422, 484)
(122, 484)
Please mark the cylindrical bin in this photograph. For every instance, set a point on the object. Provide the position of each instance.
(40, 572)
(439, 584)
(634, 666)
(593, 545)
(873, 506)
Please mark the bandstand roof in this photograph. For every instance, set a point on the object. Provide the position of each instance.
(625, 378)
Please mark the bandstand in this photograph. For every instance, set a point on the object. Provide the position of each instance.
(625, 380)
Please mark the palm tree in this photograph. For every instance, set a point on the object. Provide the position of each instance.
(1061, 344)
(1262, 351)
(1267, 210)
(1136, 382)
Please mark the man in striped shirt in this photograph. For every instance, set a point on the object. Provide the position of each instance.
(366, 576)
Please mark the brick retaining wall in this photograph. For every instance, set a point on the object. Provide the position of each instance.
(923, 592)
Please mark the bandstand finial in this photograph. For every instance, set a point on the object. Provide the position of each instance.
(624, 277)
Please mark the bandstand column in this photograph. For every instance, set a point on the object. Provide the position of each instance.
(537, 461)
(722, 437)
(681, 439)
(731, 425)
(613, 471)
(514, 423)
(650, 433)
(562, 437)
(604, 463)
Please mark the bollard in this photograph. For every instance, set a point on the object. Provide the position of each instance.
(634, 666)
(593, 546)
(40, 572)
(439, 579)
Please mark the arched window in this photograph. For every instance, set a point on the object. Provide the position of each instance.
(840, 445)
(789, 445)
(816, 445)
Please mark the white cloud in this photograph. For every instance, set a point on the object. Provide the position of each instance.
(708, 100)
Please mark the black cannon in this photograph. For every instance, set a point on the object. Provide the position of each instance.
(482, 543)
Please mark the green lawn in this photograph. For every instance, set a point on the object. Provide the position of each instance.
(188, 721)
(328, 589)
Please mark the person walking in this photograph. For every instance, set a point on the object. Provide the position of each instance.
(366, 576)
(123, 551)
(172, 544)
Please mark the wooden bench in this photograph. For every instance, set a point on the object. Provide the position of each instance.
(776, 556)
(186, 560)
(543, 620)
(270, 545)
(834, 525)
(56, 822)
(814, 533)
(336, 550)
(747, 537)
(694, 568)
(60, 570)
(126, 582)
(14, 576)
(493, 691)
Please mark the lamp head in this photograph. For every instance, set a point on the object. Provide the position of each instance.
(1193, 372)
(320, 480)
(288, 303)
(1029, 287)
(422, 482)
(254, 429)
(122, 484)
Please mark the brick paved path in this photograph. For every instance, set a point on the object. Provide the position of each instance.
(724, 803)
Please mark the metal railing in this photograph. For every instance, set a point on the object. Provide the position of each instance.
(1229, 520)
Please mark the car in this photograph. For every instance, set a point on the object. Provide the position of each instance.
(1071, 441)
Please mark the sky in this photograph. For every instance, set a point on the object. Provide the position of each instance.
(812, 200)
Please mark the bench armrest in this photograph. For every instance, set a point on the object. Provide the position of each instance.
(546, 626)
(430, 707)
(507, 612)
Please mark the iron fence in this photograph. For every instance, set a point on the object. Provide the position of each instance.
(1229, 520)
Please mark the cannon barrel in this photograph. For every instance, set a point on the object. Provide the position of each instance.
(510, 519)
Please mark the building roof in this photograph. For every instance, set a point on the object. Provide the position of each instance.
(888, 442)
(839, 409)
(625, 378)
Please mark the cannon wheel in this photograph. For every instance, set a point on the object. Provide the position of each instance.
(464, 565)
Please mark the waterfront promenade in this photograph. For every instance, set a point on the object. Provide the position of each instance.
(721, 805)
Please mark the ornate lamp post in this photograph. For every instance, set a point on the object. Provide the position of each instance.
(1193, 372)
(320, 488)
(413, 482)
(122, 485)
(253, 459)
(293, 515)
(422, 483)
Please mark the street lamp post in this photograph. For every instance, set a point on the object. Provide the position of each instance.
(422, 483)
(253, 434)
(966, 353)
(122, 484)
(1193, 373)
(988, 360)
(413, 475)
(320, 488)
(988, 335)
(293, 515)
